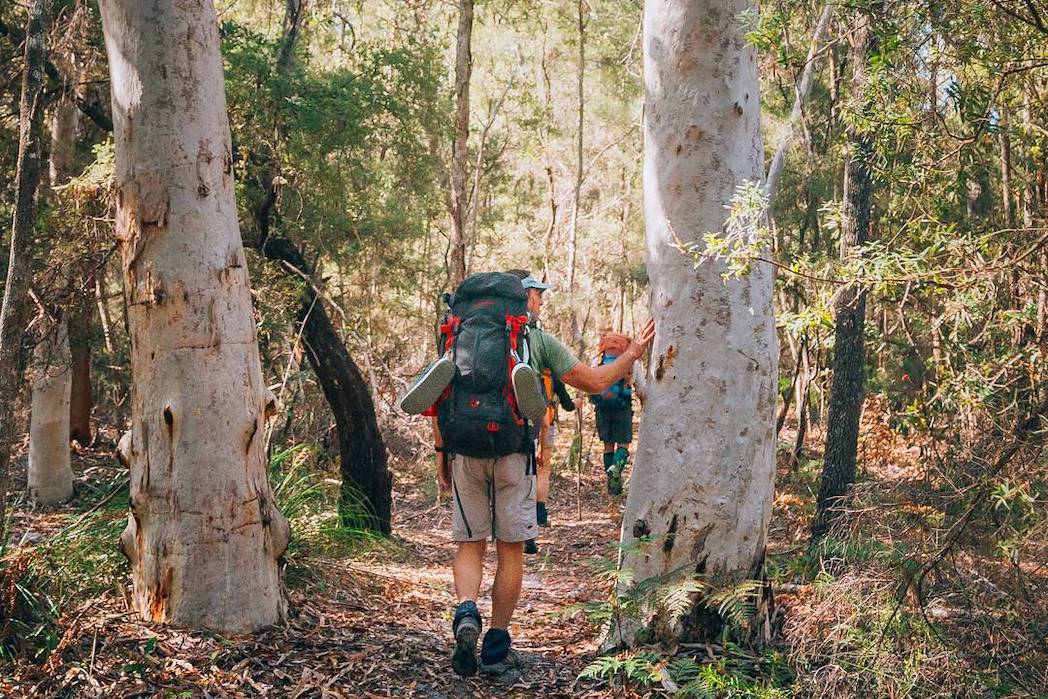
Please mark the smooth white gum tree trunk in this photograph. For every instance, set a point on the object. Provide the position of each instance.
(204, 533)
(50, 473)
(704, 475)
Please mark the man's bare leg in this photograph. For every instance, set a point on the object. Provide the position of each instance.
(468, 569)
(508, 579)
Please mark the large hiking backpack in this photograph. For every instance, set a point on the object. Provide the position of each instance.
(616, 396)
(486, 334)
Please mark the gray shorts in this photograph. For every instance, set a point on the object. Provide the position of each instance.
(615, 425)
(501, 487)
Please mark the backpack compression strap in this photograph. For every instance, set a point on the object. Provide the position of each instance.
(515, 326)
(449, 330)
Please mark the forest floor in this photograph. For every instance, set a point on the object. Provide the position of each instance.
(367, 617)
(370, 617)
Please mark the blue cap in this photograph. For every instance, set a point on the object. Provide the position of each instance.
(530, 282)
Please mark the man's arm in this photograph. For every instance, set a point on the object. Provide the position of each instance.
(596, 379)
(443, 472)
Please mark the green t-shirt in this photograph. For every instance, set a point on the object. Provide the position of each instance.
(547, 352)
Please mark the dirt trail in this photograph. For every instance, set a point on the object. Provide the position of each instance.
(371, 625)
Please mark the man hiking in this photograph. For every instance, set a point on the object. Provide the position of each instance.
(553, 388)
(614, 410)
(494, 495)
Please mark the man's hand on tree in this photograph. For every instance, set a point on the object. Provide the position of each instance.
(641, 340)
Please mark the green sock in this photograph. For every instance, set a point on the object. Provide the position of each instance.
(609, 459)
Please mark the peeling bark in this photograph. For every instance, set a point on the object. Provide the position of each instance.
(704, 474)
(203, 522)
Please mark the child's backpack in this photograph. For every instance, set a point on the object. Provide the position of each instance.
(486, 334)
(616, 396)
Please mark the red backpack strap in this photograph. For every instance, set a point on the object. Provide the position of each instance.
(516, 325)
(449, 330)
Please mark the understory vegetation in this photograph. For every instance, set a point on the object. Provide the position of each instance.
(931, 579)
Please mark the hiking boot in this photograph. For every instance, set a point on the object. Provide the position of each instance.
(614, 481)
(541, 514)
(531, 397)
(531, 547)
(512, 661)
(496, 654)
(466, 628)
(428, 387)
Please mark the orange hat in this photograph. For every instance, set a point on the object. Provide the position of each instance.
(614, 343)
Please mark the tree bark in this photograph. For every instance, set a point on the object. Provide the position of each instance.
(366, 492)
(366, 500)
(787, 397)
(704, 478)
(81, 398)
(458, 204)
(65, 126)
(802, 91)
(14, 312)
(801, 401)
(849, 360)
(50, 473)
(203, 519)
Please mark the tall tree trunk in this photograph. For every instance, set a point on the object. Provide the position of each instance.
(81, 399)
(366, 494)
(802, 91)
(14, 312)
(65, 126)
(787, 397)
(459, 199)
(849, 360)
(65, 130)
(801, 400)
(366, 500)
(203, 519)
(703, 479)
(573, 245)
(50, 474)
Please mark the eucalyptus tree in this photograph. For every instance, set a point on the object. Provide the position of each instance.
(203, 521)
(700, 495)
(15, 310)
